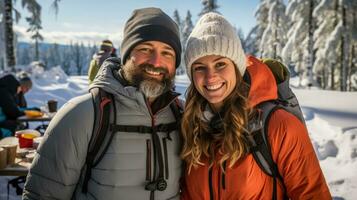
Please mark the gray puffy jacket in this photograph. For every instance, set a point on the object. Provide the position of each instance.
(121, 174)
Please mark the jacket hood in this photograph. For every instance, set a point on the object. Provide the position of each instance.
(263, 85)
(10, 83)
(110, 80)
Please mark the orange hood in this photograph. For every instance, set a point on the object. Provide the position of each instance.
(262, 82)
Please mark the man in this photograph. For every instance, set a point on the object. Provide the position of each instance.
(11, 100)
(135, 165)
(106, 51)
(25, 86)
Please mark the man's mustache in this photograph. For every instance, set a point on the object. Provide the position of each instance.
(152, 68)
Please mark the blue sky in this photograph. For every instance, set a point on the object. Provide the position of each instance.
(90, 21)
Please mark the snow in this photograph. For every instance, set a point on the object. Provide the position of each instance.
(331, 119)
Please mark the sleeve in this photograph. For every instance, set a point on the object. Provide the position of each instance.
(294, 154)
(56, 168)
(92, 71)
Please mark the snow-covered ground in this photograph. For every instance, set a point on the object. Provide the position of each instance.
(331, 118)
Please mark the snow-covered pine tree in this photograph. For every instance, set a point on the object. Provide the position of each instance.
(9, 36)
(2, 37)
(209, 6)
(180, 24)
(255, 35)
(187, 27)
(78, 57)
(274, 35)
(241, 37)
(353, 57)
(8, 27)
(299, 48)
(35, 25)
(325, 14)
(68, 59)
(53, 56)
(177, 19)
(250, 42)
(335, 54)
(24, 56)
(186, 31)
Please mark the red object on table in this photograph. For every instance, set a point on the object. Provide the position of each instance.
(25, 143)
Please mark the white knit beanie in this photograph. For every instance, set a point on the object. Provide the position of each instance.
(214, 35)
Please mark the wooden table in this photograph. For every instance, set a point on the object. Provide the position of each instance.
(45, 118)
(21, 165)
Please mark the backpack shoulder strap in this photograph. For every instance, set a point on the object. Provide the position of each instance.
(260, 146)
(102, 102)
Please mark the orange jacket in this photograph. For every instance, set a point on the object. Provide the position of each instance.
(291, 149)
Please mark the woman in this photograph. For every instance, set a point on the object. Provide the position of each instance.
(219, 105)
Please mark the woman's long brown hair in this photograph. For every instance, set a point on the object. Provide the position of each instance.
(230, 143)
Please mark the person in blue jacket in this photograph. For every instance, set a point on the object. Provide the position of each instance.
(12, 91)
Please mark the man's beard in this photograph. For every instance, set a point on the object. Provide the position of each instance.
(151, 87)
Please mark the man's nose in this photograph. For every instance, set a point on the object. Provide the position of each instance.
(155, 59)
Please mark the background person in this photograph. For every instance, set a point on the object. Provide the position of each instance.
(106, 50)
(10, 89)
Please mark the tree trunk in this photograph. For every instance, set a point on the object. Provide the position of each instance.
(9, 35)
(310, 43)
(344, 54)
(333, 66)
(37, 57)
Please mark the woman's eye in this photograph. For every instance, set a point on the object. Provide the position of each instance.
(198, 68)
(220, 65)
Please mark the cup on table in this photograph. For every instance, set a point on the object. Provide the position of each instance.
(3, 158)
(52, 106)
(10, 153)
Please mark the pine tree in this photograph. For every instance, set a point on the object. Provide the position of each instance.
(299, 47)
(9, 35)
(187, 27)
(53, 55)
(326, 18)
(254, 37)
(177, 19)
(241, 37)
(2, 37)
(35, 25)
(8, 27)
(209, 6)
(186, 31)
(251, 43)
(274, 36)
(335, 43)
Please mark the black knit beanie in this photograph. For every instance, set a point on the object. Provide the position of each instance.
(150, 24)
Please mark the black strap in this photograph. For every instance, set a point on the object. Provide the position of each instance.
(102, 106)
(144, 129)
(260, 146)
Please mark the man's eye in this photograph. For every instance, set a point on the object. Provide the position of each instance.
(144, 50)
(168, 54)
